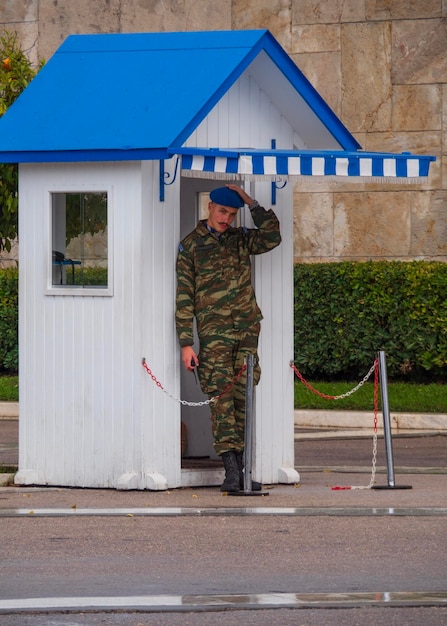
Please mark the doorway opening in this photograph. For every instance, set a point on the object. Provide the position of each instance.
(197, 440)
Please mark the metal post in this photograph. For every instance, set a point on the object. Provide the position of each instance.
(387, 425)
(248, 453)
(386, 418)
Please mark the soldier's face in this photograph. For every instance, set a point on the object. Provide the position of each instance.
(220, 217)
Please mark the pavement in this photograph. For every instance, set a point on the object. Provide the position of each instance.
(340, 550)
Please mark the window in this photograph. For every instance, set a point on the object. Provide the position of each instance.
(79, 240)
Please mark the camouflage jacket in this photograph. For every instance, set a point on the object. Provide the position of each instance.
(214, 277)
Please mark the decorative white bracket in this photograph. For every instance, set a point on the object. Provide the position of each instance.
(288, 475)
(128, 481)
(156, 482)
(26, 477)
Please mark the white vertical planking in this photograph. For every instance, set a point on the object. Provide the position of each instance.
(160, 232)
(28, 435)
(244, 117)
(79, 424)
(125, 313)
(274, 286)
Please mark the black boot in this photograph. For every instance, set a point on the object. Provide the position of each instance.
(255, 486)
(231, 482)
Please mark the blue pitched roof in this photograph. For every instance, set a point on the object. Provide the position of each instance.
(139, 96)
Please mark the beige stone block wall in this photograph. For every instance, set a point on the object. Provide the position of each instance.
(372, 228)
(380, 64)
(272, 14)
(366, 85)
(60, 18)
(419, 52)
(391, 66)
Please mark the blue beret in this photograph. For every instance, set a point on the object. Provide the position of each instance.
(226, 197)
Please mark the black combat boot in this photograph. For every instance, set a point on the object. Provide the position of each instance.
(255, 486)
(231, 482)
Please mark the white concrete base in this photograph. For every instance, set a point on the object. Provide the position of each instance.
(203, 477)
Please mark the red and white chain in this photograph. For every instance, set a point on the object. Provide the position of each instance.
(323, 395)
(374, 368)
(186, 402)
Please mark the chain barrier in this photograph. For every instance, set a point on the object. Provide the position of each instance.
(186, 402)
(325, 396)
(374, 368)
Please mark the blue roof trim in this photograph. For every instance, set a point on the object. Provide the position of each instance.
(77, 156)
(163, 41)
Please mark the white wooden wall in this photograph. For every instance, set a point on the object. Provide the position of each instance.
(89, 414)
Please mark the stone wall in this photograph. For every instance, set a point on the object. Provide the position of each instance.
(380, 64)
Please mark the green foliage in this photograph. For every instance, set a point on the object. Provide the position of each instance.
(8, 204)
(9, 320)
(85, 213)
(9, 388)
(16, 73)
(91, 276)
(346, 312)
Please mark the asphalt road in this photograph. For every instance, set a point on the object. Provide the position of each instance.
(134, 555)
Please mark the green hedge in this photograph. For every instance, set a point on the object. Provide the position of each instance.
(346, 312)
(9, 320)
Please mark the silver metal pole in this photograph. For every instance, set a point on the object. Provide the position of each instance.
(386, 418)
(248, 454)
(249, 433)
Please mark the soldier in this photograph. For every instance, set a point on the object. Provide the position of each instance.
(214, 286)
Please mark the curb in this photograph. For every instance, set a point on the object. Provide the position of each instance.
(365, 419)
(9, 410)
(325, 419)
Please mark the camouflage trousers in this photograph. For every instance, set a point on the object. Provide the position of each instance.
(221, 359)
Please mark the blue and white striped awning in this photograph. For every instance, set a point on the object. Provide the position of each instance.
(284, 164)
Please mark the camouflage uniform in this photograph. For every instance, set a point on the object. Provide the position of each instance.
(214, 286)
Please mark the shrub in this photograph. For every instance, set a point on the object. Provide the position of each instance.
(9, 350)
(346, 312)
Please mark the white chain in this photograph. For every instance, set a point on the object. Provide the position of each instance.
(185, 402)
(374, 460)
(357, 387)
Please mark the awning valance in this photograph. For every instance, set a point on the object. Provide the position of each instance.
(285, 164)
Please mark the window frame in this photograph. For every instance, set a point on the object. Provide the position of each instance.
(80, 290)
